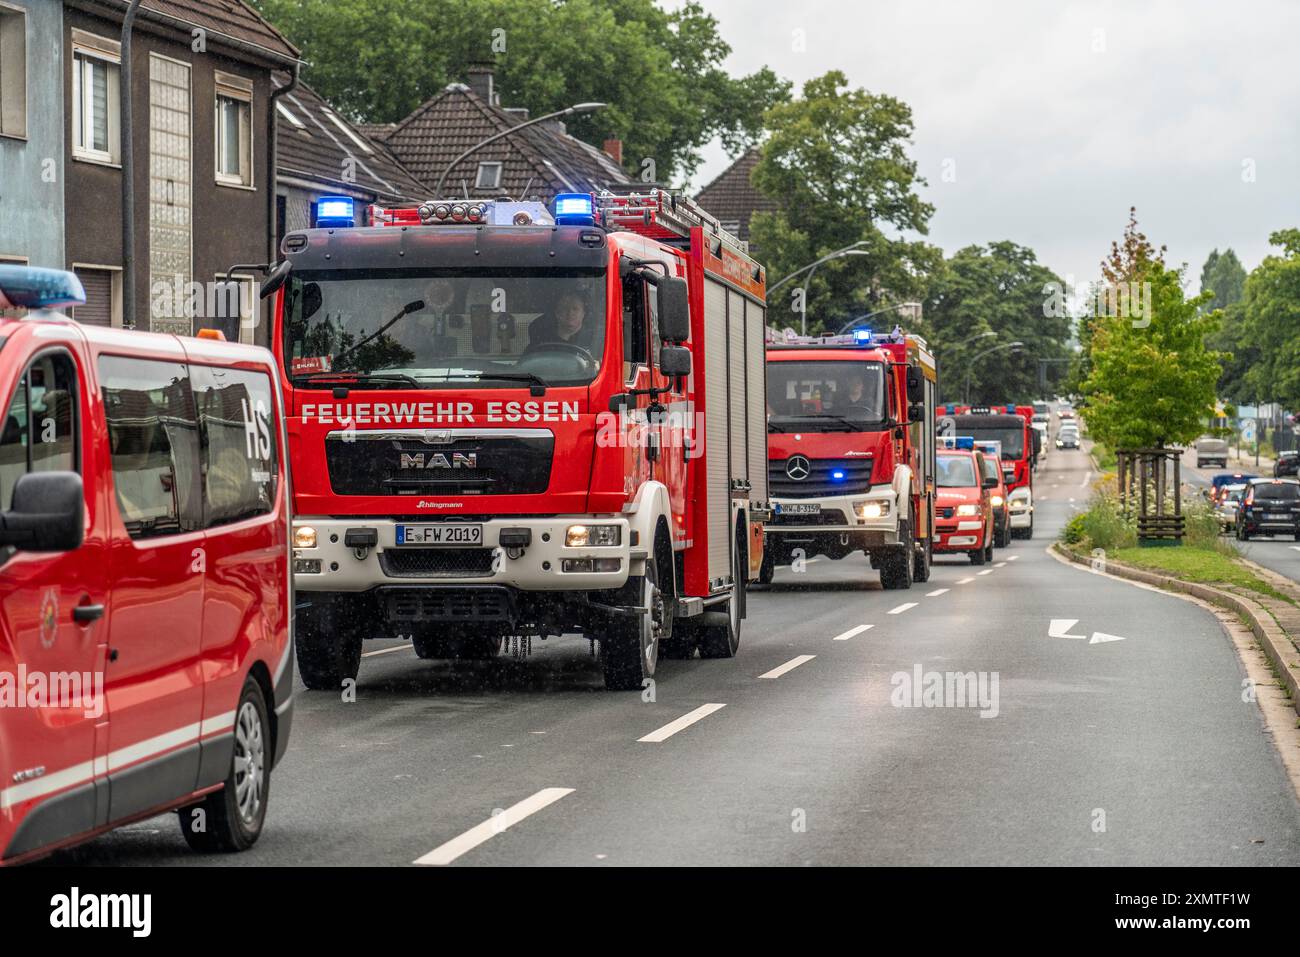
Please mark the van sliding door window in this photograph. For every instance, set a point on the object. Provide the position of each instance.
(39, 433)
(153, 437)
(238, 430)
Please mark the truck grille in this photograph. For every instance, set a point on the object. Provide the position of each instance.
(476, 464)
(444, 603)
(436, 562)
(818, 483)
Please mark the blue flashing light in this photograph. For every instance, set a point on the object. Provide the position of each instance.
(575, 209)
(862, 337)
(952, 409)
(837, 475)
(32, 287)
(335, 212)
(965, 442)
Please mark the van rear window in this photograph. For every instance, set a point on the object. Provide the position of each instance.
(238, 431)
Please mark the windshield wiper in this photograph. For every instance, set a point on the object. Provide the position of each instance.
(537, 383)
(406, 310)
(350, 379)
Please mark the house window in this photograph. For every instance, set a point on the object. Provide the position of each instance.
(94, 106)
(13, 72)
(489, 176)
(234, 130)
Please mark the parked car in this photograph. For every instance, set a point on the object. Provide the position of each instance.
(144, 572)
(1270, 507)
(1288, 463)
(1210, 451)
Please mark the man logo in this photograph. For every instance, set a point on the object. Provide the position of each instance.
(438, 460)
(798, 468)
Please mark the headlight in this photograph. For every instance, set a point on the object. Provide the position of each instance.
(875, 509)
(582, 536)
(996, 500)
(304, 536)
(968, 509)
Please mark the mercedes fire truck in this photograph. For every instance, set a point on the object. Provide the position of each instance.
(851, 452)
(511, 420)
(1021, 443)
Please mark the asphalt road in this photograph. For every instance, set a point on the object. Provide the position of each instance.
(1092, 751)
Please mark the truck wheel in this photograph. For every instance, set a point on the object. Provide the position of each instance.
(1002, 537)
(719, 634)
(767, 568)
(329, 650)
(896, 567)
(231, 819)
(924, 557)
(629, 644)
(976, 556)
(988, 546)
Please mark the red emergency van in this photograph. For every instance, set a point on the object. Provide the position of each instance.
(145, 583)
(963, 520)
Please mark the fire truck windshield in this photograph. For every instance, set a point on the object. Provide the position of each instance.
(445, 328)
(825, 396)
(1011, 435)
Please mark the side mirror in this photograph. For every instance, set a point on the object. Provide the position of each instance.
(1038, 442)
(674, 310)
(916, 412)
(675, 361)
(990, 483)
(619, 401)
(915, 386)
(274, 281)
(48, 514)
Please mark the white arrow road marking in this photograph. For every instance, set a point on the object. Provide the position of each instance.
(902, 608)
(936, 593)
(685, 721)
(1100, 636)
(387, 651)
(479, 833)
(965, 581)
(790, 665)
(852, 632)
(1060, 628)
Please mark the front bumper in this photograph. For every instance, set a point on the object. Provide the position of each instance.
(1022, 512)
(537, 567)
(882, 530)
(965, 535)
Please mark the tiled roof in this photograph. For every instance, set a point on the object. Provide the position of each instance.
(230, 18)
(541, 159)
(319, 150)
(732, 197)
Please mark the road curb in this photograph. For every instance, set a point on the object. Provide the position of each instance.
(1277, 645)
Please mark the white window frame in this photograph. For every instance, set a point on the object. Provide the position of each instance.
(115, 291)
(497, 167)
(104, 53)
(249, 327)
(239, 89)
(291, 117)
(347, 131)
(13, 72)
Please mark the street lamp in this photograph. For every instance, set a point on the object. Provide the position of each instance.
(916, 306)
(811, 269)
(1013, 346)
(574, 110)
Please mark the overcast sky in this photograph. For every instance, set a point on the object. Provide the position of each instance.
(1057, 116)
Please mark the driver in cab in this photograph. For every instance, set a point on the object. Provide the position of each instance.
(565, 324)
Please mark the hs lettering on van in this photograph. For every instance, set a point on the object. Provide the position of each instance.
(257, 429)
(76, 910)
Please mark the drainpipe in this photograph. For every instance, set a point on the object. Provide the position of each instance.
(272, 157)
(125, 79)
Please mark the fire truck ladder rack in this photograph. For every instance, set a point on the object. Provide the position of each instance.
(663, 216)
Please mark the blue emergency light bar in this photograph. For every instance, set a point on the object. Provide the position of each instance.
(34, 287)
(334, 212)
(862, 336)
(575, 209)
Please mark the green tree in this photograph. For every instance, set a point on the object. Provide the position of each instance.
(835, 160)
(1000, 289)
(1224, 275)
(1270, 325)
(660, 72)
(1152, 380)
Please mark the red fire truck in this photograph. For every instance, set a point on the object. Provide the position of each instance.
(514, 420)
(851, 452)
(1012, 427)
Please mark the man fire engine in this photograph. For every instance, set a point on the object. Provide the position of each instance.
(514, 420)
(1011, 426)
(851, 446)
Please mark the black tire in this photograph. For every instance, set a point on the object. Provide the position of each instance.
(767, 569)
(896, 566)
(924, 558)
(328, 646)
(1002, 535)
(988, 546)
(629, 644)
(720, 636)
(231, 819)
(977, 556)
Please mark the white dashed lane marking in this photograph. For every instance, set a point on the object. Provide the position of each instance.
(685, 721)
(965, 581)
(479, 833)
(790, 665)
(852, 632)
(987, 571)
(902, 608)
(936, 593)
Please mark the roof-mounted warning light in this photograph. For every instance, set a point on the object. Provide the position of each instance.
(333, 212)
(575, 209)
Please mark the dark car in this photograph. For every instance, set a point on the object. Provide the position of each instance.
(1270, 507)
(1288, 463)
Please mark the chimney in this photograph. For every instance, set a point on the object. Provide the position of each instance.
(479, 77)
(614, 149)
